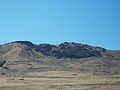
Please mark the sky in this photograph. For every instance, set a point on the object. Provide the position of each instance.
(93, 22)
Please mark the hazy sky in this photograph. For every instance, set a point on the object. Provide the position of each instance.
(94, 22)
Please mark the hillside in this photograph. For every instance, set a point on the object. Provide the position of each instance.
(22, 57)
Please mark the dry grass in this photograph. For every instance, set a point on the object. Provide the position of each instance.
(61, 80)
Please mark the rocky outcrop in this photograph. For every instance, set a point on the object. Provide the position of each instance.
(71, 50)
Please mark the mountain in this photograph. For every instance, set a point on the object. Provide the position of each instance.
(21, 57)
(63, 50)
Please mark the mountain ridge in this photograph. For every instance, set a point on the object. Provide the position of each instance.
(65, 49)
(20, 57)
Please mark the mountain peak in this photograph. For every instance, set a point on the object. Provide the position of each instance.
(28, 43)
(24, 42)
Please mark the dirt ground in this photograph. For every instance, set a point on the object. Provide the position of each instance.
(61, 80)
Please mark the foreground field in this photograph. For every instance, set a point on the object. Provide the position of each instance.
(60, 81)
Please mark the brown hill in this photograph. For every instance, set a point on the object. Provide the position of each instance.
(21, 57)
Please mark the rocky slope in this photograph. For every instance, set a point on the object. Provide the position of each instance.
(24, 56)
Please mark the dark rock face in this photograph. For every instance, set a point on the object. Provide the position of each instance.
(46, 49)
(70, 50)
(76, 50)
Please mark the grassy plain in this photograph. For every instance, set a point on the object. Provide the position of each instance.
(60, 80)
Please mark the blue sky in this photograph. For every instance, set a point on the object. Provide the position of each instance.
(94, 22)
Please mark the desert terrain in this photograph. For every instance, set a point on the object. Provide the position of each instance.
(68, 66)
(60, 80)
